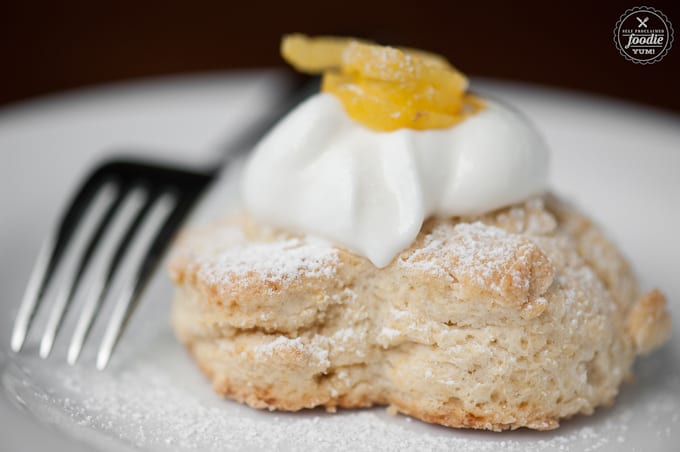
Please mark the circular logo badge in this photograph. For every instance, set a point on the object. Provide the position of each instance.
(643, 35)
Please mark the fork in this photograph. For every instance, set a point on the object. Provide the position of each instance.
(159, 198)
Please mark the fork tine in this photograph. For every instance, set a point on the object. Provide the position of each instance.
(33, 292)
(114, 244)
(49, 255)
(107, 200)
(166, 214)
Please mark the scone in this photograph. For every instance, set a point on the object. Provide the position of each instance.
(396, 246)
(516, 318)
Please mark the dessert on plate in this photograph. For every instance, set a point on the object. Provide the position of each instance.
(396, 245)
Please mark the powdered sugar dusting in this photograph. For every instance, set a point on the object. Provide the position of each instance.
(317, 349)
(277, 261)
(281, 342)
(478, 252)
(387, 336)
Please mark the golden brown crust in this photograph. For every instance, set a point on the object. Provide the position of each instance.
(517, 318)
(649, 323)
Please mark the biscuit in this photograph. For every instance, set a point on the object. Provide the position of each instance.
(517, 318)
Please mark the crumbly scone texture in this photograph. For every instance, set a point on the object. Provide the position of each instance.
(517, 318)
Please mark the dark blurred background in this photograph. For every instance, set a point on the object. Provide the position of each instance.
(52, 46)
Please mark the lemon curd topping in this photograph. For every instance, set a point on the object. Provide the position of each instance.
(385, 88)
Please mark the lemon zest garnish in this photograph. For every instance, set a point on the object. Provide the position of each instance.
(385, 88)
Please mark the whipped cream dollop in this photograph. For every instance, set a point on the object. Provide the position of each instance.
(322, 173)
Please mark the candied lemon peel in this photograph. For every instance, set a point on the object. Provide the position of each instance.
(385, 88)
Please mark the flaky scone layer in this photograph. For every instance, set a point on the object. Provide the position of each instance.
(518, 318)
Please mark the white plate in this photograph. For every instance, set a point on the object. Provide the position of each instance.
(619, 162)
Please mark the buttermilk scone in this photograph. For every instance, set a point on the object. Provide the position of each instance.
(516, 318)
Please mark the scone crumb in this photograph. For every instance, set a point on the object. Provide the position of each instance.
(392, 410)
(649, 323)
(290, 348)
